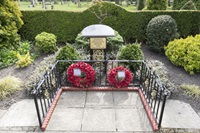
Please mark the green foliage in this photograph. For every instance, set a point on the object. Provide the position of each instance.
(189, 6)
(191, 90)
(185, 53)
(46, 42)
(140, 5)
(10, 23)
(67, 53)
(131, 25)
(113, 43)
(23, 60)
(161, 30)
(157, 4)
(131, 52)
(9, 85)
(9, 56)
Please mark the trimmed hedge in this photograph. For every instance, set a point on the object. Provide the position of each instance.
(130, 25)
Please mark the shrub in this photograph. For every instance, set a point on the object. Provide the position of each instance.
(160, 30)
(131, 52)
(113, 43)
(185, 53)
(46, 42)
(10, 23)
(9, 85)
(178, 4)
(157, 4)
(23, 61)
(67, 53)
(141, 4)
(7, 57)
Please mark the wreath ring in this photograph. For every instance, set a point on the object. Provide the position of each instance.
(86, 78)
(114, 80)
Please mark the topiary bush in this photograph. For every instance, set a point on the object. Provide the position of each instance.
(131, 52)
(156, 4)
(10, 23)
(67, 53)
(46, 42)
(160, 30)
(178, 4)
(185, 53)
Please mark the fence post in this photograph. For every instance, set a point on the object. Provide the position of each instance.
(162, 110)
(37, 109)
(141, 73)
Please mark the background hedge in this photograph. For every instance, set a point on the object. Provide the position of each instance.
(130, 25)
(177, 4)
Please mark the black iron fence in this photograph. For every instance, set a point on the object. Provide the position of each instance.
(142, 77)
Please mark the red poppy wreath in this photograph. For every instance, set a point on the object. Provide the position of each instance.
(81, 74)
(119, 77)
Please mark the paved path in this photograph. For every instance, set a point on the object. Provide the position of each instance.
(98, 112)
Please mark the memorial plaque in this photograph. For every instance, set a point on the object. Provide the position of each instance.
(98, 43)
(77, 72)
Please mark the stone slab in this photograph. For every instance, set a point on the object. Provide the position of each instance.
(178, 114)
(96, 119)
(2, 112)
(132, 120)
(100, 98)
(22, 113)
(66, 119)
(125, 99)
(72, 99)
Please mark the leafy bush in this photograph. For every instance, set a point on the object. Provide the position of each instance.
(9, 56)
(67, 53)
(113, 43)
(178, 4)
(191, 90)
(131, 52)
(160, 30)
(46, 42)
(10, 23)
(185, 53)
(157, 4)
(23, 61)
(9, 85)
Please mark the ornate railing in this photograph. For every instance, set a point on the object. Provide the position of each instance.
(143, 78)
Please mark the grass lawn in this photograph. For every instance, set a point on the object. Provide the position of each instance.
(68, 6)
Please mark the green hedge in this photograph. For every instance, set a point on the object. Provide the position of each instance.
(177, 4)
(130, 25)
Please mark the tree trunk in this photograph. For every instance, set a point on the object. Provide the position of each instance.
(79, 3)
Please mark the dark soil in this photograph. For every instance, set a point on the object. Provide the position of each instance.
(176, 74)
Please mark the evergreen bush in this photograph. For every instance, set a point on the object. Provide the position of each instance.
(185, 53)
(160, 30)
(140, 4)
(10, 23)
(46, 42)
(131, 52)
(67, 53)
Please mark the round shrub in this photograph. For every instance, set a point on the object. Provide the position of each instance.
(160, 30)
(67, 53)
(157, 4)
(46, 42)
(185, 53)
(131, 52)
